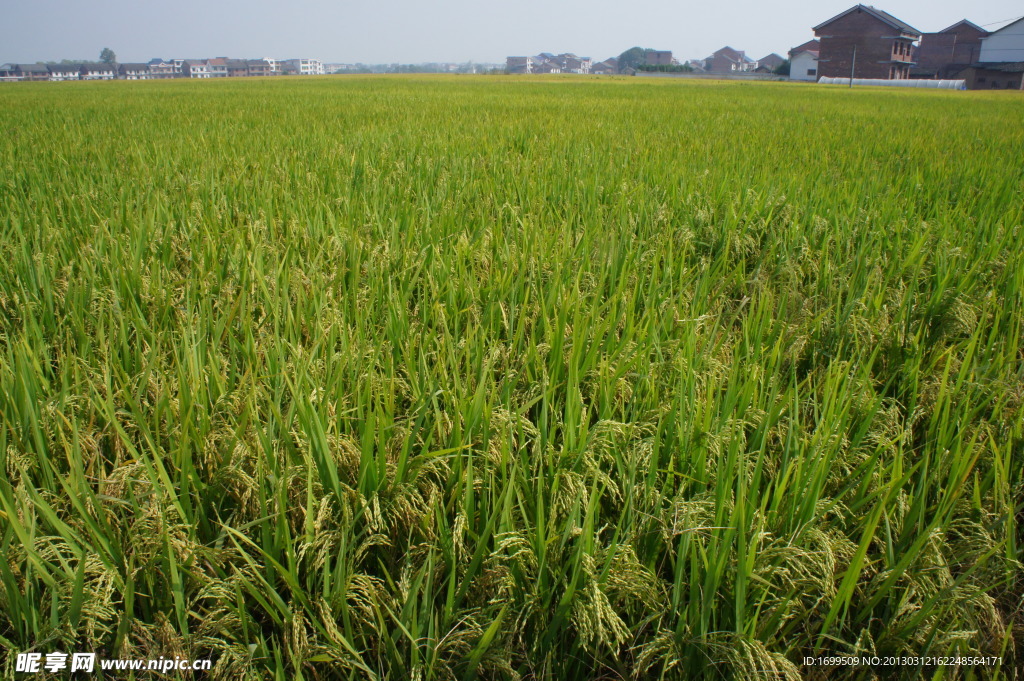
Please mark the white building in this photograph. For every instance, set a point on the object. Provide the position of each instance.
(158, 68)
(65, 71)
(519, 64)
(305, 67)
(803, 62)
(1004, 45)
(133, 71)
(194, 68)
(97, 72)
(218, 67)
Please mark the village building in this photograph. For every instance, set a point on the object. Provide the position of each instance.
(60, 72)
(302, 67)
(658, 57)
(133, 71)
(160, 69)
(259, 67)
(218, 67)
(606, 67)
(98, 72)
(727, 60)
(195, 68)
(519, 65)
(865, 42)
(570, 63)
(547, 67)
(994, 76)
(803, 61)
(8, 74)
(237, 68)
(949, 51)
(1000, 64)
(1005, 45)
(769, 63)
(32, 71)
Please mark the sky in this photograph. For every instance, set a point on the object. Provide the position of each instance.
(414, 31)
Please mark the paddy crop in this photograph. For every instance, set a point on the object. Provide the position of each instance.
(444, 378)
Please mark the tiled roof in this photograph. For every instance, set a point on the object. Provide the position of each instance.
(964, 22)
(875, 12)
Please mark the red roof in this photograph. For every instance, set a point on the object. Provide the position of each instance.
(812, 46)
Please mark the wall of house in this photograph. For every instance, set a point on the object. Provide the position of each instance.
(720, 63)
(801, 64)
(873, 39)
(938, 50)
(991, 79)
(1007, 44)
(659, 57)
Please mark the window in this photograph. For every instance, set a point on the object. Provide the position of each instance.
(812, 72)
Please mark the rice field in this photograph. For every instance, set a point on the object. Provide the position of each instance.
(506, 378)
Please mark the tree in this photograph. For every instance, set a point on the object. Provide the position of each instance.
(632, 58)
(107, 56)
(782, 69)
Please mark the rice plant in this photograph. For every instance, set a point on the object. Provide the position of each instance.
(499, 378)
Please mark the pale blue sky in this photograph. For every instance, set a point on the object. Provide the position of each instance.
(412, 31)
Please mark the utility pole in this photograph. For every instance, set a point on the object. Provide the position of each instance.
(853, 65)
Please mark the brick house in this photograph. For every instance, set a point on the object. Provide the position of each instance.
(237, 68)
(259, 67)
(608, 66)
(866, 42)
(658, 57)
(769, 64)
(1000, 64)
(547, 67)
(949, 51)
(32, 71)
(728, 60)
(994, 76)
